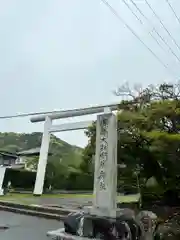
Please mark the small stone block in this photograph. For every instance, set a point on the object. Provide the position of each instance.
(37, 195)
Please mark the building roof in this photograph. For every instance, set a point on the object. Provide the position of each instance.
(16, 166)
(31, 152)
(8, 154)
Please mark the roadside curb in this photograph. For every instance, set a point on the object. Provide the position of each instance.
(35, 210)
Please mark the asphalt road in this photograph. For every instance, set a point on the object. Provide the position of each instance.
(23, 227)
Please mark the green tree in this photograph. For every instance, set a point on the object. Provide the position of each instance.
(148, 134)
(87, 165)
(56, 174)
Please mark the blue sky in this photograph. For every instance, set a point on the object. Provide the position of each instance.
(61, 54)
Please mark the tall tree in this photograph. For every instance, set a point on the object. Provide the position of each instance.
(148, 133)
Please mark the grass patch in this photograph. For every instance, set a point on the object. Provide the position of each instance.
(128, 198)
(23, 197)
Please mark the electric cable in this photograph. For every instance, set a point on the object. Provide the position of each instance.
(130, 29)
(162, 24)
(135, 34)
(154, 29)
(174, 12)
(150, 33)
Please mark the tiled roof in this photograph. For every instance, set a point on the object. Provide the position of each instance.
(8, 154)
(29, 151)
(32, 151)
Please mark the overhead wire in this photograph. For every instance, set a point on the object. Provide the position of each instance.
(154, 29)
(174, 12)
(142, 24)
(26, 114)
(162, 24)
(150, 33)
(135, 34)
(127, 5)
(131, 30)
(112, 106)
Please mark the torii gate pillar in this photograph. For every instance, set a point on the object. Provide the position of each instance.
(41, 170)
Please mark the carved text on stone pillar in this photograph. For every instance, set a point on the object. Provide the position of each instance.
(103, 155)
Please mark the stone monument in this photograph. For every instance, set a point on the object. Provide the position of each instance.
(104, 208)
(105, 177)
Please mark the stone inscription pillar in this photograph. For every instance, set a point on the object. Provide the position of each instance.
(105, 177)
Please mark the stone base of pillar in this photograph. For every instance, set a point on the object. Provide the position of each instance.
(37, 195)
(105, 223)
(106, 213)
(94, 226)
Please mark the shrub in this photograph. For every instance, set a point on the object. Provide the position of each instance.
(19, 178)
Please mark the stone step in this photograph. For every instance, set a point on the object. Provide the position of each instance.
(33, 212)
(38, 208)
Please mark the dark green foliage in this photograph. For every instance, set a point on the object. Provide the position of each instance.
(79, 181)
(65, 159)
(22, 179)
(19, 179)
(148, 144)
(148, 138)
(61, 150)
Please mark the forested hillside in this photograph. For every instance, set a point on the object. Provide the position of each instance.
(61, 150)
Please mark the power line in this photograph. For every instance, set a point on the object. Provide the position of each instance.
(134, 33)
(142, 14)
(162, 24)
(154, 38)
(113, 107)
(130, 29)
(172, 9)
(127, 5)
(26, 114)
(154, 29)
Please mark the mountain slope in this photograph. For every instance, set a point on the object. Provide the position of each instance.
(61, 150)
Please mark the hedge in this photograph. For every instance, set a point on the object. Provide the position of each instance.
(23, 179)
(19, 178)
(79, 181)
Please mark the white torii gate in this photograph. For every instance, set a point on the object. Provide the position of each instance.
(105, 175)
(50, 128)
